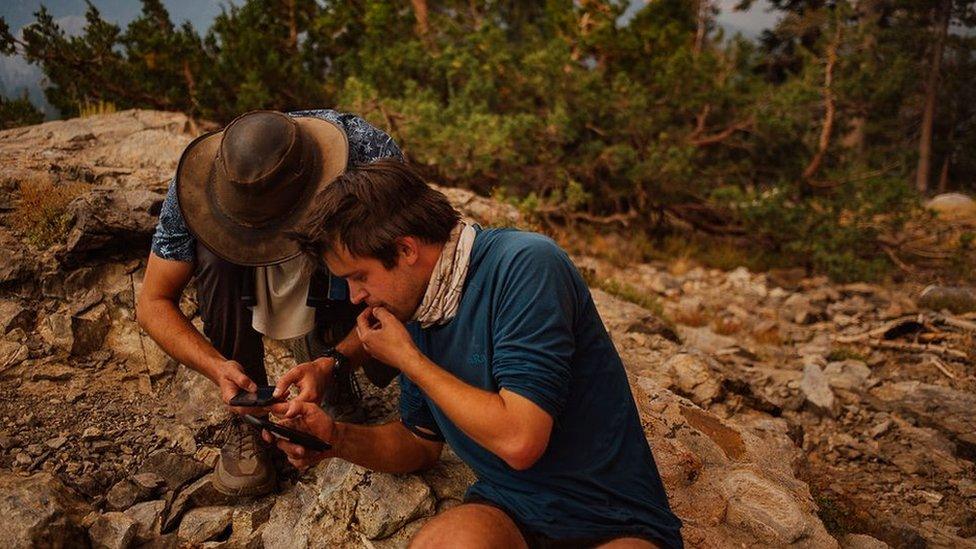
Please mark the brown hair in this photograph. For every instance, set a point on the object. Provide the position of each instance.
(369, 208)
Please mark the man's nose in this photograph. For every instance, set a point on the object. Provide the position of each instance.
(357, 295)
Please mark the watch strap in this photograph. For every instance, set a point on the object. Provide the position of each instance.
(341, 360)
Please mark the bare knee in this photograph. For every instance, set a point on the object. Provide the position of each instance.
(469, 525)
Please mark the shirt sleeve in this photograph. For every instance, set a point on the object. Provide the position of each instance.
(172, 239)
(415, 413)
(533, 337)
(368, 143)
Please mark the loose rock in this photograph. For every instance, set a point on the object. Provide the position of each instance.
(89, 329)
(148, 517)
(175, 470)
(861, 541)
(816, 389)
(204, 523)
(764, 508)
(125, 494)
(693, 376)
(113, 531)
(956, 299)
(12, 316)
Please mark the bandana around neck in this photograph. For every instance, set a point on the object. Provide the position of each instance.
(443, 295)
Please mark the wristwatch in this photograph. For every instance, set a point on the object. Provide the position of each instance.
(341, 360)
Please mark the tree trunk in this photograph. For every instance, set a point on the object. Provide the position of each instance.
(702, 28)
(944, 175)
(829, 108)
(868, 17)
(292, 27)
(191, 84)
(420, 13)
(931, 95)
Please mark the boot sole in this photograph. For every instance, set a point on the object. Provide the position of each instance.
(257, 490)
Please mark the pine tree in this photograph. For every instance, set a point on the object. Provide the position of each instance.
(18, 112)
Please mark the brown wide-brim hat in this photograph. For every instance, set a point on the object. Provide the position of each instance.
(239, 189)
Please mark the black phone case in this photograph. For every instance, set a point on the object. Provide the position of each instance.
(291, 435)
(264, 398)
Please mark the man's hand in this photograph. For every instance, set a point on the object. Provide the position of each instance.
(311, 378)
(385, 338)
(231, 379)
(307, 417)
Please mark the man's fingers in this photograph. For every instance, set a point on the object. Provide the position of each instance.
(291, 449)
(288, 410)
(363, 315)
(362, 322)
(280, 409)
(226, 393)
(301, 464)
(295, 408)
(382, 314)
(241, 380)
(305, 394)
(291, 377)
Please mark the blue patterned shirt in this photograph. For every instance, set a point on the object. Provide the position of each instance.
(173, 240)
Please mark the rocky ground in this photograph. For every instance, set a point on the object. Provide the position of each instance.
(783, 410)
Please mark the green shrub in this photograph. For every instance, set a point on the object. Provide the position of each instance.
(835, 233)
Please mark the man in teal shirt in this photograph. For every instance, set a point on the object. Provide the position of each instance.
(502, 355)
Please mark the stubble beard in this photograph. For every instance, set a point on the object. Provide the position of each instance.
(417, 289)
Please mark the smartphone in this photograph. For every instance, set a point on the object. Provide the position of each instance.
(291, 435)
(263, 397)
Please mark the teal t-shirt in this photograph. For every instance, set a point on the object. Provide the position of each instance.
(527, 323)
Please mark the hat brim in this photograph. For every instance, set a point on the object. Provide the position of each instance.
(238, 243)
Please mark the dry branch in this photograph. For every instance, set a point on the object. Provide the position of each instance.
(942, 367)
(957, 323)
(716, 138)
(829, 109)
(622, 219)
(880, 331)
(918, 348)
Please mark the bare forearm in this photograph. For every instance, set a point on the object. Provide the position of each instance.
(175, 334)
(388, 448)
(353, 349)
(508, 424)
(482, 415)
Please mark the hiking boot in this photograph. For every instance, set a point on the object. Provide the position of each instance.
(245, 467)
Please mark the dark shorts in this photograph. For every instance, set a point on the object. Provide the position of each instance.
(536, 540)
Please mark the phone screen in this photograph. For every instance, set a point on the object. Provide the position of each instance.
(262, 397)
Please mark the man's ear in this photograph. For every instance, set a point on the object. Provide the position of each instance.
(408, 250)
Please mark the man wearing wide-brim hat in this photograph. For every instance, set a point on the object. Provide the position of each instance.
(235, 194)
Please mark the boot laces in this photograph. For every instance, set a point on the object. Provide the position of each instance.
(242, 439)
